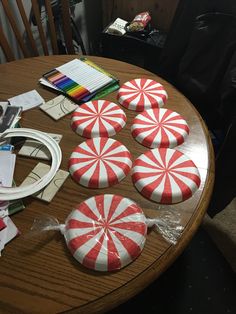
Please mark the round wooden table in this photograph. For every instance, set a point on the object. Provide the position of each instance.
(38, 274)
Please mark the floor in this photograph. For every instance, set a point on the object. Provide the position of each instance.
(222, 230)
(202, 280)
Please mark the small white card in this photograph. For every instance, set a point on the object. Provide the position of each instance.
(58, 107)
(27, 100)
(117, 27)
(51, 189)
(35, 149)
(7, 167)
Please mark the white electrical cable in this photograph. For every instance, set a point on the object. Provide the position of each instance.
(7, 194)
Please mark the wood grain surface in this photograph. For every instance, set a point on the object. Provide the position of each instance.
(38, 274)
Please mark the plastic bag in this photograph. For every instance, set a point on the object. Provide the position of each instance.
(139, 22)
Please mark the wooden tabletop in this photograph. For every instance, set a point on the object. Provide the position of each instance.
(38, 274)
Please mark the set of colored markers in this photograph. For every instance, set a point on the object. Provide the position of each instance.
(81, 80)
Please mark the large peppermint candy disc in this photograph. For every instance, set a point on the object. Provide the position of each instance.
(159, 127)
(165, 175)
(141, 94)
(100, 162)
(98, 118)
(106, 232)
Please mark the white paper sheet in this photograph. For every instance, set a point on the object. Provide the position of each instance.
(27, 100)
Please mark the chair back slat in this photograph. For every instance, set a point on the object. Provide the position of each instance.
(35, 7)
(15, 29)
(27, 27)
(5, 46)
(51, 26)
(66, 24)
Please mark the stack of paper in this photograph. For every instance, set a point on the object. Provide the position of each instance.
(7, 166)
(8, 230)
(81, 80)
(10, 110)
(9, 117)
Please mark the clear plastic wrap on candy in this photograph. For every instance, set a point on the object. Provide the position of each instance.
(107, 232)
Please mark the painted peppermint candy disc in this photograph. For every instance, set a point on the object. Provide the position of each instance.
(106, 232)
(100, 162)
(159, 127)
(141, 94)
(165, 175)
(98, 118)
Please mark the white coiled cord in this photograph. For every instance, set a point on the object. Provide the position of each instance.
(7, 194)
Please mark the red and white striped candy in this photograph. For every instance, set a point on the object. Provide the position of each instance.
(141, 94)
(106, 232)
(159, 128)
(100, 162)
(98, 118)
(165, 175)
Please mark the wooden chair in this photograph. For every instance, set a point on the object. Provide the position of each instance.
(30, 49)
(209, 41)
